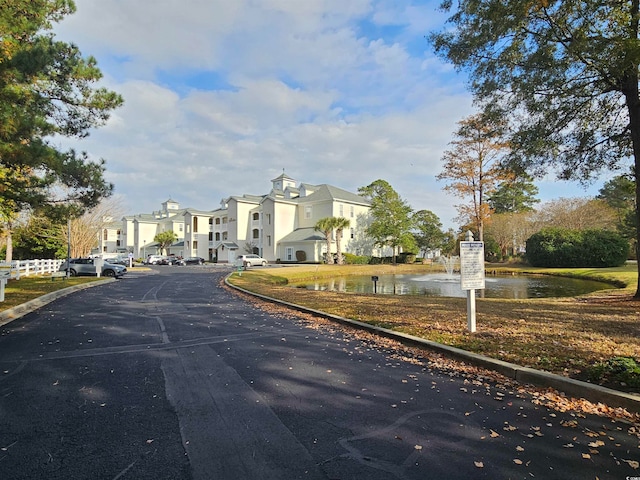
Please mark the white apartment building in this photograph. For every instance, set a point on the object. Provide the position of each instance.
(278, 226)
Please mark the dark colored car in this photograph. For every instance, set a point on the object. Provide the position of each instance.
(193, 261)
(170, 260)
(86, 266)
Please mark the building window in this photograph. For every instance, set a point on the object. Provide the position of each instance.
(105, 235)
(256, 216)
(268, 219)
(268, 240)
(289, 254)
(217, 236)
(218, 221)
(117, 243)
(195, 224)
(224, 236)
(188, 227)
(210, 221)
(118, 232)
(224, 220)
(351, 211)
(195, 245)
(341, 209)
(211, 236)
(353, 234)
(307, 212)
(256, 233)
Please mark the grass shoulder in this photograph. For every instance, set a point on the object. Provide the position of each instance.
(21, 291)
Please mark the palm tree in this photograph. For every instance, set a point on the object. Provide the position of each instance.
(340, 224)
(165, 239)
(326, 226)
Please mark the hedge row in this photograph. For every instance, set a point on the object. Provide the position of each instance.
(561, 247)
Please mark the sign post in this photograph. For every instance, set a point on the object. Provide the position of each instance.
(5, 274)
(471, 275)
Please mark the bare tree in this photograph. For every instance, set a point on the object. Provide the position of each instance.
(250, 247)
(86, 228)
(511, 230)
(576, 214)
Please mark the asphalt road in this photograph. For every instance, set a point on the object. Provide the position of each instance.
(167, 375)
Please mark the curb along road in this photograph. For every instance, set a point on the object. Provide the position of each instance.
(569, 386)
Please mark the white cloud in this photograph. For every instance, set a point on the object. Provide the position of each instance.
(222, 95)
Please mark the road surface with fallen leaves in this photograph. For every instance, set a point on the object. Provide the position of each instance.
(169, 375)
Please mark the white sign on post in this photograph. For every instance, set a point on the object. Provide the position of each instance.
(472, 265)
(471, 275)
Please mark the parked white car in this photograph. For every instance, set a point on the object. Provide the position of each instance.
(250, 260)
(154, 259)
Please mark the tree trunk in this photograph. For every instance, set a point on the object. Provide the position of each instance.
(329, 259)
(9, 238)
(632, 98)
(338, 246)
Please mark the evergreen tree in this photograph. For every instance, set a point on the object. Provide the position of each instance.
(515, 195)
(428, 232)
(620, 194)
(47, 89)
(392, 223)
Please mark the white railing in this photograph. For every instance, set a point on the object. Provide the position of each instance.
(25, 268)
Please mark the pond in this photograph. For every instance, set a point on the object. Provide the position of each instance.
(445, 285)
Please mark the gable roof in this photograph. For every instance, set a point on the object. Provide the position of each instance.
(309, 234)
(326, 192)
(283, 176)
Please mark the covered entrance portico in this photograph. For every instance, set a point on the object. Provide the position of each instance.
(226, 252)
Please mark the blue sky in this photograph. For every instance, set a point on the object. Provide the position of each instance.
(222, 95)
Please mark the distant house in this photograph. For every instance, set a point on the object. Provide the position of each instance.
(278, 226)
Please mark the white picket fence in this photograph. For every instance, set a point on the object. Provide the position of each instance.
(26, 268)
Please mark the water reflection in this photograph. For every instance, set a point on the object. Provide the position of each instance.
(444, 285)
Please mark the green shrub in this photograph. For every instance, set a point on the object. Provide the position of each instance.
(406, 257)
(561, 247)
(351, 259)
(618, 369)
(605, 248)
(492, 251)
